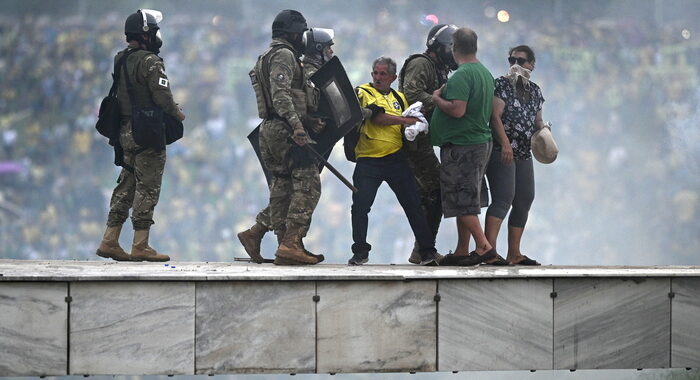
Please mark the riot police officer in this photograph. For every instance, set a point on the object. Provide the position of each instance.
(317, 44)
(285, 97)
(317, 49)
(139, 182)
(420, 76)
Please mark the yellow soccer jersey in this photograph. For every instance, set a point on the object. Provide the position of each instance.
(379, 140)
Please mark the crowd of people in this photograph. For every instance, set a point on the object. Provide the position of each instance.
(623, 99)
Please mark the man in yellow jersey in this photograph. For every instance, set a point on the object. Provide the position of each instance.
(380, 159)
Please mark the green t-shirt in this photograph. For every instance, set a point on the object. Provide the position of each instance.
(473, 83)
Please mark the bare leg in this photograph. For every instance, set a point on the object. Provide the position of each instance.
(493, 226)
(472, 224)
(463, 236)
(515, 234)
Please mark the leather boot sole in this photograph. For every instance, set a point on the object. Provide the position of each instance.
(249, 248)
(281, 258)
(150, 259)
(108, 255)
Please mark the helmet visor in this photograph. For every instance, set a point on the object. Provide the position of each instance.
(324, 35)
(444, 35)
(152, 17)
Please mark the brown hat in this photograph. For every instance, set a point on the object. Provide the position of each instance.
(544, 148)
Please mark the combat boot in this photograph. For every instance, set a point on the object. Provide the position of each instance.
(290, 251)
(109, 247)
(317, 257)
(140, 251)
(251, 240)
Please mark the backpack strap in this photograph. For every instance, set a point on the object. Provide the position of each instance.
(410, 58)
(393, 92)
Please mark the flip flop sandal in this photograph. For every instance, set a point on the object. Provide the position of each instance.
(527, 261)
(500, 262)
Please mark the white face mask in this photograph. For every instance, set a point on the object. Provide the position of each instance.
(518, 72)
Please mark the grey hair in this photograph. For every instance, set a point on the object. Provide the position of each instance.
(390, 63)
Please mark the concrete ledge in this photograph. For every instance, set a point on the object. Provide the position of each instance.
(89, 318)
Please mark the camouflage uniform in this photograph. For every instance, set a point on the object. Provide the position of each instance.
(294, 191)
(310, 66)
(139, 189)
(420, 76)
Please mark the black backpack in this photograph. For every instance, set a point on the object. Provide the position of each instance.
(351, 138)
(109, 116)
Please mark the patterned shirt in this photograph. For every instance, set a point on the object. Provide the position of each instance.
(518, 118)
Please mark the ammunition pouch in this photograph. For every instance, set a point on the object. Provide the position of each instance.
(260, 96)
(313, 97)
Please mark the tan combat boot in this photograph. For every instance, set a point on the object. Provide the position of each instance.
(110, 248)
(140, 251)
(290, 251)
(317, 257)
(251, 239)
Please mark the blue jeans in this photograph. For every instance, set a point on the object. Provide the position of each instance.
(396, 172)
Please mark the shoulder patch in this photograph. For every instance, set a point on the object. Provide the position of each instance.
(163, 82)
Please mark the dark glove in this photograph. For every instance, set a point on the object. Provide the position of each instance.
(375, 109)
(299, 135)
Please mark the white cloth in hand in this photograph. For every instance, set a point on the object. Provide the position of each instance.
(421, 126)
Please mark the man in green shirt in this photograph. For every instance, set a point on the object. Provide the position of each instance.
(460, 127)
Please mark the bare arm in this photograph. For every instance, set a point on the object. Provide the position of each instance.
(453, 108)
(386, 119)
(499, 131)
(539, 122)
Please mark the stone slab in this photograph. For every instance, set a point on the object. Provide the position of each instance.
(611, 323)
(255, 327)
(685, 323)
(376, 326)
(104, 270)
(33, 329)
(132, 328)
(486, 325)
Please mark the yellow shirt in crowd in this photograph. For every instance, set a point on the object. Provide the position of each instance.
(379, 140)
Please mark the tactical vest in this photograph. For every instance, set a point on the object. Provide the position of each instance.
(142, 94)
(441, 74)
(304, 95)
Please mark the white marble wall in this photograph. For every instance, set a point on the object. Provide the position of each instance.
(487, 325)
(33, 329)
(132, 328)
(611, 323)
(256, 327)
(685, 323)
(376, 326)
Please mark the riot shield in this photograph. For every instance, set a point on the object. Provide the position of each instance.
(254, 138)
(339, 106)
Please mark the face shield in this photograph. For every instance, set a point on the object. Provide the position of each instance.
(444, 38)
(151, 21)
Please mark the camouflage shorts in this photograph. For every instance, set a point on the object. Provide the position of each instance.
(461, 174)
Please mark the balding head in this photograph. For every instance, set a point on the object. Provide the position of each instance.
(464, 42)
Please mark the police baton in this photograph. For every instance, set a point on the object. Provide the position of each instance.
(323, 160)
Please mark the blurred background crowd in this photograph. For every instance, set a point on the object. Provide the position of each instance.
(620, 79)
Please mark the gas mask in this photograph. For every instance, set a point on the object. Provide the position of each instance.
(447, 58)
(151, 18)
